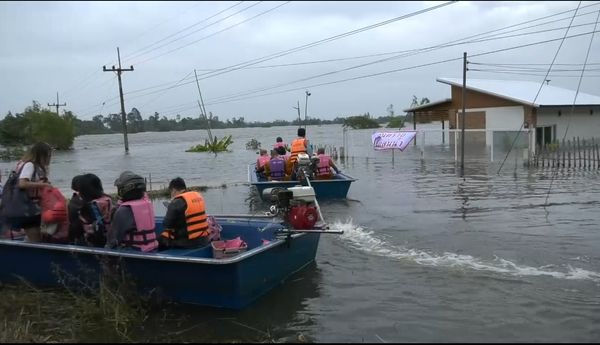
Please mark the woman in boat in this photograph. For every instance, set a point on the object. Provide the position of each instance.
(280, 143)
(32, 170)
(325, 166)
(95, 213)
(260, 164)
(133, 222)
(186, 224)
(75, 204)
(275, 169)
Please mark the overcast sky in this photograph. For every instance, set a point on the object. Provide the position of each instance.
(266, 54)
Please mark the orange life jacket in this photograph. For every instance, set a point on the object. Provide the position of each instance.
(195, 216)
(298, 146)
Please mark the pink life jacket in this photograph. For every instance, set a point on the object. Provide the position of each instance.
(278, 145)
(262, 160)
(323, 167)
(102, 210)
(144, 237)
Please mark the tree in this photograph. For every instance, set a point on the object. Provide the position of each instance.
(360, 122)
(38, 124)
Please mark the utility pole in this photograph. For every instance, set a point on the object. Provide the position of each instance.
(298, 108)
(57, 104)
(123, 117)
(462, 120)
(306, 107)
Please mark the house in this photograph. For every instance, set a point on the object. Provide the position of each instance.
(511, 105)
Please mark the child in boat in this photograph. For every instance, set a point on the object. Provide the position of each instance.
(94, 216)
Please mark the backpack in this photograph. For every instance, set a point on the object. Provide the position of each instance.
(15, 201)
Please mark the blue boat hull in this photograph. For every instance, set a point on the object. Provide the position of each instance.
(335, 188)
(182, 275)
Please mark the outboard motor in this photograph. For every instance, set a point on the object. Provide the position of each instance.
(306, 166)
(296, 205)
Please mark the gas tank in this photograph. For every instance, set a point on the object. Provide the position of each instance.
(303, 217)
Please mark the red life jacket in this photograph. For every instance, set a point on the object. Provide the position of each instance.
(144, 237)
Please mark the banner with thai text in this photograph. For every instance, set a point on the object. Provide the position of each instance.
(392, 140)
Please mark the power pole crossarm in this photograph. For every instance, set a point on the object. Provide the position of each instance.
(123, 117)
(57, 104)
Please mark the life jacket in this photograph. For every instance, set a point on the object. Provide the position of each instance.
(144, 237)
(278, 145)
(95, 230)
(323, 167)
(54, 205)
(262, 160)
(196, 219)
(277, 168)
(298, 146)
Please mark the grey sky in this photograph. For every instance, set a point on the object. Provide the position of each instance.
(62, 46)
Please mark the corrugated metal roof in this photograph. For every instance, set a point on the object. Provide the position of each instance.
(525, 91)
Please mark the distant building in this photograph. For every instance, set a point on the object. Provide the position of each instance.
(508, 105)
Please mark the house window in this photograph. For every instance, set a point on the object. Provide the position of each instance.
(545, 135)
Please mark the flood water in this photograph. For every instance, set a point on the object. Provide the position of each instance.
(426, 255)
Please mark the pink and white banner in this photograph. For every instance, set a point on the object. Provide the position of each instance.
(392, 140)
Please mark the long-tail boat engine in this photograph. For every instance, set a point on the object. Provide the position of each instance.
(296, 205)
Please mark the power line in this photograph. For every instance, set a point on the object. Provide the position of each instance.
(448, 44)
(213, 34)
(587, 55)
(541, 85)
(416, 51)
(272, 56)
(136, 52)
(404, 68)
(191, 33)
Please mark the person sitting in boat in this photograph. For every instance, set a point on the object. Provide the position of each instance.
(325, 166)
(299, 145)
(186, 224)
(75, 204)
(275, 168)
(280, 143)
(133, 222)
(95, 214)
(260, 163)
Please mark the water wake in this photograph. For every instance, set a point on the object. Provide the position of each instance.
(364, 240)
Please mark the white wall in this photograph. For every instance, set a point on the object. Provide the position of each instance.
(580, 123)
(501, 118)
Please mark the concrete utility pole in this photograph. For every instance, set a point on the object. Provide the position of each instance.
(306, 107)
(123, 117)
(298, 108)
(57, 104)
(462, 120)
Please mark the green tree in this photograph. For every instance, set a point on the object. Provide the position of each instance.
(38, 124)
(361, 122)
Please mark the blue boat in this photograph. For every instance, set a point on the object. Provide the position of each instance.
(193, 276)
(335, 188)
